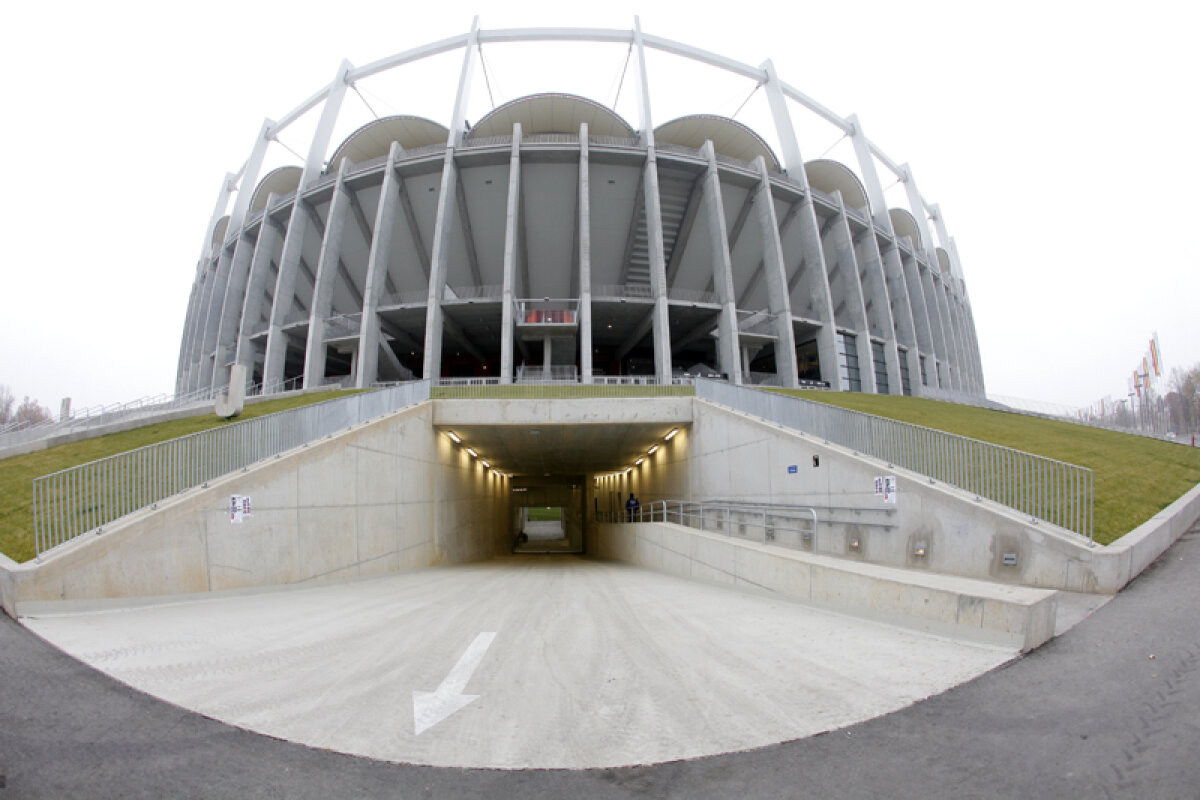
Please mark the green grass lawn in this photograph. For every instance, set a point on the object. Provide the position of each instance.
(17, 473)
(543, 514)
(1135, 476)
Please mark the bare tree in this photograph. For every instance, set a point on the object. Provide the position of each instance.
(6, 404)
(31, 412)
(1184, 399)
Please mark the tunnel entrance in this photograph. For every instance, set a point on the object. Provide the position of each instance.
(547, 514)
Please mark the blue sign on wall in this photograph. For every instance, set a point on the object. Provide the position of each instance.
(793, 469)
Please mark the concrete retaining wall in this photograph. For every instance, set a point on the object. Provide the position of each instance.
(385, 496)
(1009, 616)
(741, 457)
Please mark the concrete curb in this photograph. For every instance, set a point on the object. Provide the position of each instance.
(995, 614)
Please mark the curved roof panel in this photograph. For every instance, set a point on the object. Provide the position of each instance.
(943, 261)
(828, 176)
(375, 138)
(904, 224)
(729, 137)
(219, 231)
(281, 181)
(552, 113)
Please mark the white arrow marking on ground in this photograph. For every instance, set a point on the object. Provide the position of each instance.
(430, 708)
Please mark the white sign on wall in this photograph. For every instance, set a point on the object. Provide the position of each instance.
(239, 506)
(885, 487)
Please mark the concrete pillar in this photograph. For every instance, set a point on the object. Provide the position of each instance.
(285, 291)
(367, 365)
(722, 268)
(512, 230)
(585, 259)
(182, 369)
(212, 320)
(235, 297)
(293, 242)
(654, 228)
(930, 294)
(447, 197)
(198, 325)
(249, 177)
(843, 247)
(877, 303)
(269, 234)
(434, 323)
(327, 273)
(775, 271)
(898, 286)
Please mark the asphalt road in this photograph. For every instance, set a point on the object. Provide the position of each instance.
(1109, 709)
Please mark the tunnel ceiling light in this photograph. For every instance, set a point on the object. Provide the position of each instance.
(639, 461)
(473, 453)
(486, 464)
(671, 435)
(454, 436)
(652, 450)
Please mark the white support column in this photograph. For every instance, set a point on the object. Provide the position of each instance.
(182, 369)
(269, 234)
(654, 224)
(249, 179)
(728, 356)
(446, 207)
(917, 207)
(899, 290)
(851, 287)
(878, 305)
(369, 339)
(197, 343)
(293, 242)
(585, 259)
(778, 297)
(235, 296)
(511, 247)
(327, 272)
(810, 236)
(212, 319)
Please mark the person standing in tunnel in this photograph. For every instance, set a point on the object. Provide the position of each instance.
(631, 507)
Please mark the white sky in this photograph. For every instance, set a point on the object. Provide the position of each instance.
(1059, 139)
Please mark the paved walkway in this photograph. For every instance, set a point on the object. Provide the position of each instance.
(1110, 709)
(522, 662)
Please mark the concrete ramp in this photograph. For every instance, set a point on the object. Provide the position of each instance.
(992, 613)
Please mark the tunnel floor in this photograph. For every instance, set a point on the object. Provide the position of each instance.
(524, 661)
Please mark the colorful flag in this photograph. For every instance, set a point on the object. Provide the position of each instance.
(1154, 357)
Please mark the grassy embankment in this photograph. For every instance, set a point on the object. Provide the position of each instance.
(1135, 476)
(17, 473)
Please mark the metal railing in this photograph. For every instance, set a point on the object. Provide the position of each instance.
(1042, 488)
(76, 501)
(789, 526)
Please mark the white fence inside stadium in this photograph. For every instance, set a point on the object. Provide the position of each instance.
(82, 499)
(1044, 489)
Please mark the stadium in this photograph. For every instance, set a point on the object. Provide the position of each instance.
(557, 239)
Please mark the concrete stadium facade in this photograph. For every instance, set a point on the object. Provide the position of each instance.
(554, 239)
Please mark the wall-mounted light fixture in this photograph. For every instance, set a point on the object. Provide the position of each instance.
(920, 549)
(454, 437)
(652, 450)
(671, 435)
(473, 453)
(855, 545)
(639, 461)
(489, 466)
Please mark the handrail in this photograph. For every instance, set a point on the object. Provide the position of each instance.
(1042, 488)
(698, 513)
(72, 502)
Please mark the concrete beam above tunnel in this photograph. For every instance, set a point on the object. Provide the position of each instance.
(538, 437)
